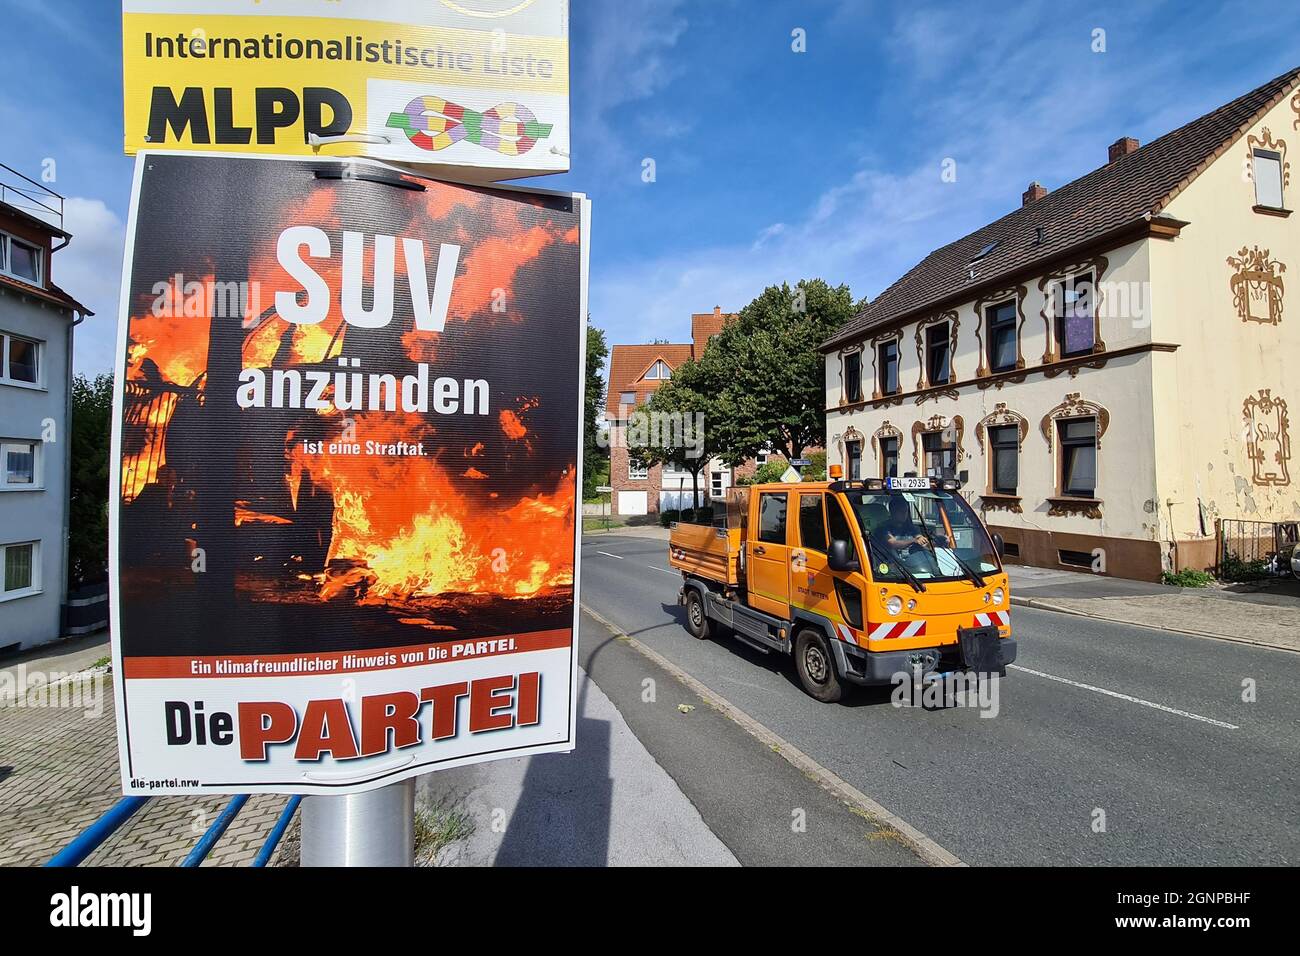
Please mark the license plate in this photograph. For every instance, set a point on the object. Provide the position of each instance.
(909, 484)
(979, 649)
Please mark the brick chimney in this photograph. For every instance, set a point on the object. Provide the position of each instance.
(1036, 190)
(1122, 147)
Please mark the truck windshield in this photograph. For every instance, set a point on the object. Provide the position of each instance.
(933, 534)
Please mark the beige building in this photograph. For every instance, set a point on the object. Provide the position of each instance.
(1110, 366)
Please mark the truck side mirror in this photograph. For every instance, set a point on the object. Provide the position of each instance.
(999, 545)
(837, 558)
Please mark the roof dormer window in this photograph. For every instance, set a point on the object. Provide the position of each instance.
(659, 371)
(21, 260)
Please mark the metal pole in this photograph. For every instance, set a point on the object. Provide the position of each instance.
(375, 828)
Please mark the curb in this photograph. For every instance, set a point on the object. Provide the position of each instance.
(1040, 605)
(923, 846)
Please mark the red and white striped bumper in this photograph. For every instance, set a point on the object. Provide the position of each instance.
(895, 629)
(997, 618)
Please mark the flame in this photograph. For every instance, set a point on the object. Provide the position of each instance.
(511, 425)
(141, 468)
(380, 551)
(429, 529)
(175, 337)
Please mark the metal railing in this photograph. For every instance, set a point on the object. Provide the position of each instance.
(30, 196)
(1245, 548)
(94, 835)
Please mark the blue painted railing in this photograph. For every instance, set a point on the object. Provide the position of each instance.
(90, 838)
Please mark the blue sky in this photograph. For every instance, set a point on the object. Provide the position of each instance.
(771, 165)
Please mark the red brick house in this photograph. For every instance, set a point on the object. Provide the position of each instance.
(635, 373)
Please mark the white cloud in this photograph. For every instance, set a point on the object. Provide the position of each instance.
(90, 270)
(877, 223)
(628, 59)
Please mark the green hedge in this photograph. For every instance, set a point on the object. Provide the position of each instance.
(701, 515)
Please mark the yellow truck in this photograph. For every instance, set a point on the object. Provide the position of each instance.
(862, 582)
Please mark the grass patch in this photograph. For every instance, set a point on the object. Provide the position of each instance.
(597, 523)
(102, 662)
(1187, 578)
(438, 826)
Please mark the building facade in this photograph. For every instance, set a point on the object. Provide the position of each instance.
(635, 373)
(36, 334)
(1105, 367)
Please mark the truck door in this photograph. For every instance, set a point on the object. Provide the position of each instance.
(769, 556)
(812, 585)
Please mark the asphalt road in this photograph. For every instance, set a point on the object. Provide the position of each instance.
(1142, 731)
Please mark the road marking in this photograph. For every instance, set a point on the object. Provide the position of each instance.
(664, 570)
(920, 844)
(608, 555)
(1132, 700)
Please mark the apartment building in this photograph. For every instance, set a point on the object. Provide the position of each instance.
(37, 319)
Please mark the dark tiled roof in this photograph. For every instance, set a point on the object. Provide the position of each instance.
(1105, 200)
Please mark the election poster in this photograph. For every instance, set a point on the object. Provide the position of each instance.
(470, 89)
(346, 456)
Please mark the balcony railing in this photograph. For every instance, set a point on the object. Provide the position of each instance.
(33, 198)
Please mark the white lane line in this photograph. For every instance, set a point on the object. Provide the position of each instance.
(608, 555)
(1132, 700)
(664, 570)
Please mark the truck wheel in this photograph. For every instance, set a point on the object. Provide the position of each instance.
(697, 619)
(816, 666)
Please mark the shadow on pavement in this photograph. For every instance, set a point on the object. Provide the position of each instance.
(779, 664)
(562, 817)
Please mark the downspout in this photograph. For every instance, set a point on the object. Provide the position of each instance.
(67, 465)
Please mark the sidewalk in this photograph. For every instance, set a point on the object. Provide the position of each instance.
(608, 803)
(1249, 617)
(635, 530)
(59, 773)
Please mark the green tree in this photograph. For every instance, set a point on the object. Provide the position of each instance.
(815, 470)
(677, 425)
(91, 427)
(767, 473)
(773, 371)
(594, 457)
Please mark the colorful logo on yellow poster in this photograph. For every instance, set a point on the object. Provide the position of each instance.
(433, 123)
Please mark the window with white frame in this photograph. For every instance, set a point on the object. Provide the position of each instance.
(637, 470)
(22, 260)
(20, 465)
(716, 487)
(20, 360)
(627, 398)
(659, 370)
(1268, 178)
(20, 564)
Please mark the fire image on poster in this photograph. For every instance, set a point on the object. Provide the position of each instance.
(347, 444)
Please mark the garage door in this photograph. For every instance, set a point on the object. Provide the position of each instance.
(632, 502)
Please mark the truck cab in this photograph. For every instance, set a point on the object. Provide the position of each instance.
(861, 582)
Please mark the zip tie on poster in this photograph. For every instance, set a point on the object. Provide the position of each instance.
(316, 141)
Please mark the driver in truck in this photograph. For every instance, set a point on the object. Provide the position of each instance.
(901, 532)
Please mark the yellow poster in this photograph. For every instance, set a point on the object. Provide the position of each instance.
(480, 87)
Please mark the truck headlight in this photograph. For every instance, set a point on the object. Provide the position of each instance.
(894, 605)
(998, 595)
